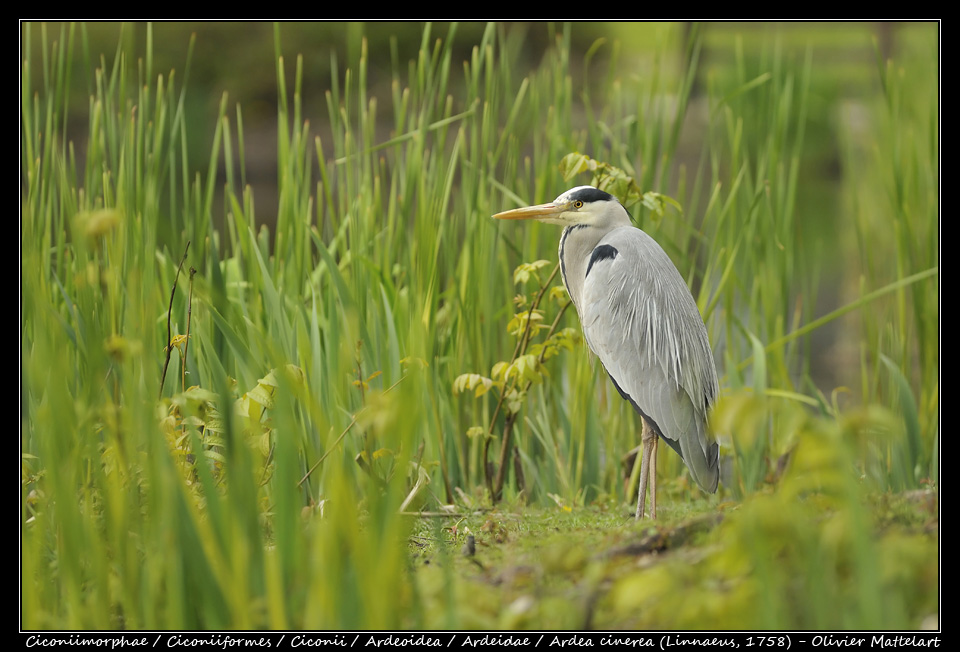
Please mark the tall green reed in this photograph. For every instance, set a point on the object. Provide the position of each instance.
(381, 277)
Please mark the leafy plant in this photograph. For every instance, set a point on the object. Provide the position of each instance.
(512, 379)
(367, 260)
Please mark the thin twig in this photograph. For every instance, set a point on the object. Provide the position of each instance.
(186, 342)
(173, 293)
(330, 450)
(343, 434)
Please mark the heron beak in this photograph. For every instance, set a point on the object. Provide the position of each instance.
(550, 211)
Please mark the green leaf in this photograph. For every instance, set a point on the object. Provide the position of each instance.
(908, 410)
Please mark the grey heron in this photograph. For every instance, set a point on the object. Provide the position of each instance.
(639, 318)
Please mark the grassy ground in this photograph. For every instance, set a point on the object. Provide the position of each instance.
(229, 411)
(694, 568)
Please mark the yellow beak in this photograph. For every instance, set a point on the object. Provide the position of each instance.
(538, 212)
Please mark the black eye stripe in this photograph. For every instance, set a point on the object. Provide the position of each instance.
(590, 194)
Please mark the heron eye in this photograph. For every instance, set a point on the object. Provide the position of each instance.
(578, 204)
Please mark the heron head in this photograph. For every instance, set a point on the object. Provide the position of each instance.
(580, 205)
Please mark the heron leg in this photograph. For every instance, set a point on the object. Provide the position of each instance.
(653, 477)
(648, 441)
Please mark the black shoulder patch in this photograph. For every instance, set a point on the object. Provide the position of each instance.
(599, 253)
(588, 195)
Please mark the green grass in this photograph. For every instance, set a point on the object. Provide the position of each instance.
(259, 500)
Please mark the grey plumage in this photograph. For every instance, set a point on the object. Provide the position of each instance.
(639, 318)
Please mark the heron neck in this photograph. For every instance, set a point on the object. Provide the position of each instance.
(576, 243)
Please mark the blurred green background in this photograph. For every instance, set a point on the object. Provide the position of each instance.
(344, 287)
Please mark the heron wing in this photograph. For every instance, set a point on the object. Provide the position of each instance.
(639, 318)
